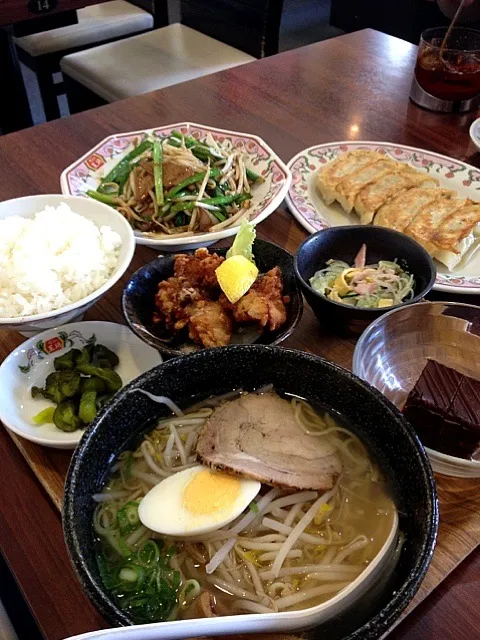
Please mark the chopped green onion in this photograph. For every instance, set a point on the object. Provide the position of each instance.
(132, 573)
(148, 554)
(176, 580)
(128, 466)
(127, 518)
(158, 171)
(198, 177)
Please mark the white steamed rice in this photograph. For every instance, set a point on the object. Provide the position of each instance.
(52, 260)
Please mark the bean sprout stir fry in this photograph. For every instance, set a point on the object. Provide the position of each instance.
(179, 186)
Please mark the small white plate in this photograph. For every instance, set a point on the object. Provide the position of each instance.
(309, 209)
(87, 172)
(475, 133)
(30, 363)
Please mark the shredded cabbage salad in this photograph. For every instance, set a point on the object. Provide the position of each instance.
(373, 286)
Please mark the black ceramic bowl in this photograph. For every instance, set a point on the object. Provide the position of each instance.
(138, 300)
(343, 243)
(189, 379)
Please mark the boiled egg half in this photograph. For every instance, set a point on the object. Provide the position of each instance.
(196, 501)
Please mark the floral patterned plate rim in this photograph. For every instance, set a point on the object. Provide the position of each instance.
(86, 173)
(31, 362)
(310, 211)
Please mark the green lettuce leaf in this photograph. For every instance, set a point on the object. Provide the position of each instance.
(243, 243)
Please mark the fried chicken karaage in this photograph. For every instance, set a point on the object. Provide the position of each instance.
(193, 300)
(198, 269)
(263, 303)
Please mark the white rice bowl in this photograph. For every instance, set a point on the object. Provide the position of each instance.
(58, 255)
(52, 260)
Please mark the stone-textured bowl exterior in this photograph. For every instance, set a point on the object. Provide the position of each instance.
(138, 301)
(188, 379)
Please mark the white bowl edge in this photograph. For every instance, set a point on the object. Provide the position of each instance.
(452, 466)
(120, 269)
(473, 133)
(260, 622)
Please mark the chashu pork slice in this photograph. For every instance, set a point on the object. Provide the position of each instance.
(256, 436)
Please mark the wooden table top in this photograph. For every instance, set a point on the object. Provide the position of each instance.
(352, 87)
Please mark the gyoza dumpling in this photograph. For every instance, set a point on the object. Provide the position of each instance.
(425, 225)
(388, 186)
(399, 212)
(335, 171)
(458, 237)
(350, 186)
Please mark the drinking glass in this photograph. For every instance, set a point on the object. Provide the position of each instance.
(451, 73)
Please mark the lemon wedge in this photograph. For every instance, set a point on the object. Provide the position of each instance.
(235, 276)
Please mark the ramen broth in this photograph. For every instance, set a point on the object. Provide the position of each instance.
(236, 569)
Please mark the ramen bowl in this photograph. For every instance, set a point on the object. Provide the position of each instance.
(367, 607)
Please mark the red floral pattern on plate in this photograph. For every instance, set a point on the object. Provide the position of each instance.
(87, 172)
(300, 196)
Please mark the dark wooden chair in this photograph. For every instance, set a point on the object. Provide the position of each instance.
(405, 19)
(253, 26)
(213, 35)
(98, 24)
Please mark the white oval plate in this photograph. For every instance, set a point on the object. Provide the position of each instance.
(29, 364)
(309, 209)
(87, 172)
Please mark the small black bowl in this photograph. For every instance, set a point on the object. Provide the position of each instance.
(138, 299)
(195, 377)
(343, 243)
